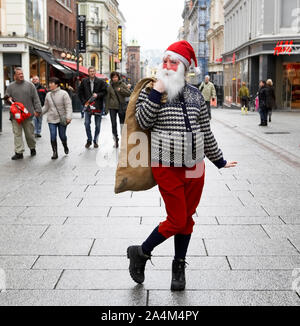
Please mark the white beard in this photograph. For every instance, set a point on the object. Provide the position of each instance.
(174, 81)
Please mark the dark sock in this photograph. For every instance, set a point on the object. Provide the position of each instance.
(153, 241)
(181, 243)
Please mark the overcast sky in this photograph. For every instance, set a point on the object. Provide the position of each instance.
(154, 23)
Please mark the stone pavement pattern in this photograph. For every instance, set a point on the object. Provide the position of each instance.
(64, 233)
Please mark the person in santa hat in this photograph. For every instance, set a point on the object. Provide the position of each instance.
(181, 137)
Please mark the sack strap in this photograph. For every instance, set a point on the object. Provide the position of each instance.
(55, 105)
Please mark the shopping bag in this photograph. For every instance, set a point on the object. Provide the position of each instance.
(213, 103)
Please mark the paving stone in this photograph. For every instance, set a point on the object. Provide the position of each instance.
(118, 247)
(244, 220)
(63, 212)
(116, 202)
(231, 211)
(122, 263)
(17, 262)
(111, 230)
(137, 211)
(223, 298)
(291, 219)
(37, 220)
(265, 262)
(134, 297)
(257, 247)
(30, 280)
(160, 280)
(229, 232)
(11, 211)
(99, 221)
(46, 247)
(21, 232)
(283, 231)
(25, 201)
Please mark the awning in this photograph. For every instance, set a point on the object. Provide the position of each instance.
(82, 69)
(48, 57)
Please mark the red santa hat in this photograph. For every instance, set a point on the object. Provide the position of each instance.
(183, 51)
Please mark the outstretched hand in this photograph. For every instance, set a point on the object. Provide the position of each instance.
(231, 165)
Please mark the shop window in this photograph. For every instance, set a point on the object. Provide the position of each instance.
(291, 85)
(95, 61)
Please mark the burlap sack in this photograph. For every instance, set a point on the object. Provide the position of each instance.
(130, 178)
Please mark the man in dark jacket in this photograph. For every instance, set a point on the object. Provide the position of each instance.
(91, 93)
(42, 92)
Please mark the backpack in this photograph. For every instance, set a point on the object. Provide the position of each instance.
(19, 112)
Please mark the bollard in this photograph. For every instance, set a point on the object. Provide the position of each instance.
(1, 109)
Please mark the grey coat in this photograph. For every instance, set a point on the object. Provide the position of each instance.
(63, 103)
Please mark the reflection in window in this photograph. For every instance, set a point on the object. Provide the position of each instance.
(35, 19)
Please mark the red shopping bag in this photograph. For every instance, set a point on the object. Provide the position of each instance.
(213, 103)
(19, 112)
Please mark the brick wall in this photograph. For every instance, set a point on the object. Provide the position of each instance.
(61, 24)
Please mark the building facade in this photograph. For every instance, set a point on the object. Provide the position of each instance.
(253, 29)
(133, 65)
(215, 38)
(103, 21)
(61, 18)
(196, 23)
(23, 29)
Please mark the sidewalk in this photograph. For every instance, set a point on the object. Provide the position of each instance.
(64, 233)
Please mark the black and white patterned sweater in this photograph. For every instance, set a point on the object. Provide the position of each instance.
(180, 130)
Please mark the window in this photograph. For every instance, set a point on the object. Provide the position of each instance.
(95, 37)
(35, 19)
(66, 3)
(287, 8)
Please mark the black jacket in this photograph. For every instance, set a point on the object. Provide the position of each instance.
(85, 93)
(270, 97)
(262, 95)
(42, 92)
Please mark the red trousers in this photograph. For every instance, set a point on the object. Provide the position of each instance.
(181, 189)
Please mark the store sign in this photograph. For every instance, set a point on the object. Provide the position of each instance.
(120, 43)
(82, 33)
(286, 48)
(12, 47)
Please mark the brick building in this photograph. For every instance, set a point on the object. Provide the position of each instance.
(61, 16)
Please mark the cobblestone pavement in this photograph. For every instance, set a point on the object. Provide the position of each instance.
(64, 233)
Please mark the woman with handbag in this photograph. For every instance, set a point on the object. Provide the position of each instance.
(116, 103)
(58, 105)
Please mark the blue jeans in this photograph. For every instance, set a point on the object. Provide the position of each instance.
(87, 123)
(38, 125)
(61, 130)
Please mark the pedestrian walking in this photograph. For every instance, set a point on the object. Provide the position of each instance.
(42, 92)
(92, 90)
(271, 98)
(263, 110)
(58, 105)
(116, 103)
(185, 114)
(244, 96)
(23, 92)
(208, 91)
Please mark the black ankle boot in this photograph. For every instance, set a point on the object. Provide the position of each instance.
(17, 157)
(138, 262)
(65, 144)
(178, 275)
(54, 148)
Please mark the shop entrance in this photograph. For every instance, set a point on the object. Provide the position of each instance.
(10, 62)
(291, 85)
